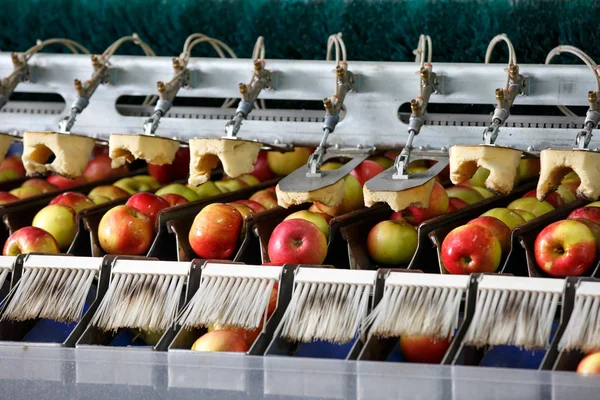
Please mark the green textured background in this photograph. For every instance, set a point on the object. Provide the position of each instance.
(373, 30)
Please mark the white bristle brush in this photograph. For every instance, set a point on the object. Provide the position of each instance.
(231, 295)
(53, 287)
(415, 304)
(6, 267)
(327, 304)
(514, 311)
(143, 294)
(583, 329)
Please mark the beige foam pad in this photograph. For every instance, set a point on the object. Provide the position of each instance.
(5, 142)
(71, 152)
(555, 164)
(236, 156)
(502, 162)
(419, 196)
(126, 148)
(331, 196)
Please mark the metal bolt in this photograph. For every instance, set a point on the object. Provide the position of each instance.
(499, 94)
(414, 105)
(327, 103)
(530, 148)
(257, 65)
(592, 97)
(176, 63)
(340, 71)
(160, 86)
(95, 61)
(243, 88)
(513, 69)
(424, 73)
(444, 148)
(78, 84)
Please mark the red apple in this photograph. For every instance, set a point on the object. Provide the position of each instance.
(591, 213)
(41, 184)
(77, 201)
(148, 203)
(553, 198)
(179, 169)
(125, 230)
(590, 364)
(297, 241)
(215, 231)
(424, 350)
(288, 162)
(261, 168)
(30, 240)
(13, 163)
(59, 221)
(256, 206)
(392, 154)
(471, 248)
(438, 205)
(392, 242)
(498, 228)
(397, 216)
(99, 168)
(316, 218)
(221, 341)
(457, 203)
(6, 197)
(594, 228)
(366, 170)
(64, 183)
(174, 199)
(565, 248)
(267, 198)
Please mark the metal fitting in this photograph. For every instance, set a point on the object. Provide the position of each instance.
(330, 122)
(499, 94)
(424, 74)
(95, 61)
(328, 104)
(513, 70)
(340, 72)
(414, 106)
(162, 106)
(592, 97)
(243, 88)
(258, 65)
(415, 124)
(160, 85)
(244, 107)
(80, 104)
(78, 85)
(15, 58)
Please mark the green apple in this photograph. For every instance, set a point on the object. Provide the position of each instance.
(8, 175)
(248, 179)
(24, 192)
(528, 168)
(478, 179)
(566, 194)
(509, 217)
(230, 185)
(466, 194)
(594, 204)
(382, 160)
(571, 176)
(483, 191)
(532, 205)
(59, 221)
(315, 218)
(331, 165)
(392, 242)
(151, 338)
(527, 216)
(179, 189)
(353, 198)
(207, 189)
(132, 186)
(148, 180)
(99, 199)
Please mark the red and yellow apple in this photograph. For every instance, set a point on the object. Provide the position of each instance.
(527, 216)
(178, 169)
(219, 341)
(41, 184)
(438, 205)
(594, 228)
(77, 201)
(532, 205)
(266, 198)
(424, 350)
(149, 204)
(565, 248)
(30, 240)
(25, 192)
(591, 213)
(384, 161)
(478, 179)
(178, 188)
(456, 203)
(366, 170)
(248, 179)
(6, 197)
(256, 206)
(261, 168)
(353, 198)
(316, 218)
(59, 221)
(174, 199)
(99, 168)
(554, 199)
(297, 241)
(590, 364)
(498, 228)
(471, 248)
(392, 242)
(125, 230)
(13, 164)
(64, 183)
(215, 231)
(110, 192)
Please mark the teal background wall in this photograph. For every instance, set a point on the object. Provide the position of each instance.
(373, 30)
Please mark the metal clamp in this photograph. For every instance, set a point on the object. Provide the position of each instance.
(592, 119)
(20, 74)
(333, 106)
(504, 101)
(167, 92)
(262, 78)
